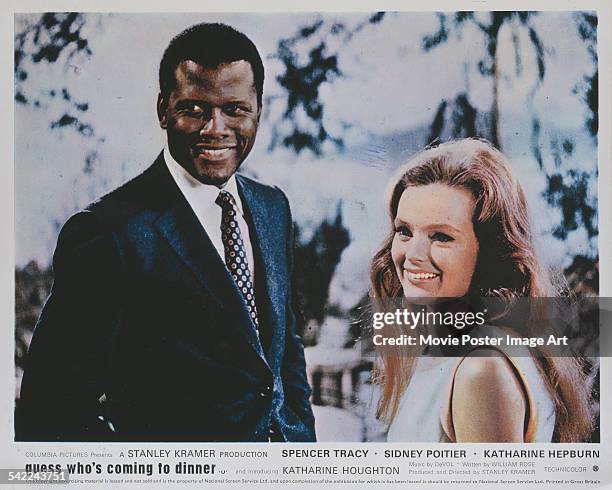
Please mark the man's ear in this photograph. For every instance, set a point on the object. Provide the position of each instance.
(162, 105)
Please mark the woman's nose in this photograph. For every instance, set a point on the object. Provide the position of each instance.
(417, 249)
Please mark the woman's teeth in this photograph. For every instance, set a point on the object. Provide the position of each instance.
(422, 275)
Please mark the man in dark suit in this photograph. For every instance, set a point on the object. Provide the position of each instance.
(171, 314)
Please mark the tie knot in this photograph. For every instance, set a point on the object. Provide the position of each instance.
(225, 200)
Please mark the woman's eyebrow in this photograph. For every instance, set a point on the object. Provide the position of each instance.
(443, 226)
(430, 226)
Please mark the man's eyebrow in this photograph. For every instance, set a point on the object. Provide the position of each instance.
(237, 100)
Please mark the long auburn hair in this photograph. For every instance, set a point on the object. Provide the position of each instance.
(501, 224)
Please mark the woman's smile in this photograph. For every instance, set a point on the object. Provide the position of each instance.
(420, 276)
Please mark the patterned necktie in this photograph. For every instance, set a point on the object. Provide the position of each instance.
(235, 254)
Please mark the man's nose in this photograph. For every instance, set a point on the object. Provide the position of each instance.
(214, 123)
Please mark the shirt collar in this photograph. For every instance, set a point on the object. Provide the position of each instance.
(190, 185)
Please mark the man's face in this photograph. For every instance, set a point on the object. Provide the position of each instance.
(211, 118)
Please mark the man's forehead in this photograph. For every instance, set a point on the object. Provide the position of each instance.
(239, 71)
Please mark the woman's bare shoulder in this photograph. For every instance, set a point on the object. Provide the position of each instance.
(488, 400)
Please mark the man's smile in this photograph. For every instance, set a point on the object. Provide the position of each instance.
(213, 153)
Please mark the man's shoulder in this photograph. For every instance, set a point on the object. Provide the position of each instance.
(268, 192)
(133, 206)
(148, 192)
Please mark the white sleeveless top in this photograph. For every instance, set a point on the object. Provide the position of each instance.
(424, 414)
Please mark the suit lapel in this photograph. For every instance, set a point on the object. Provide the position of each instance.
(180, 228)
(265, 242)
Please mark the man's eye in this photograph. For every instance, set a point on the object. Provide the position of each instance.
(233, 109)
(194, 109)
(442, 237)
(403, 231)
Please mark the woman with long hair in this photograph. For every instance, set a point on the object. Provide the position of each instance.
(460, 228)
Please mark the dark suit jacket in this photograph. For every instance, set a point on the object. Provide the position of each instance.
(146, 337)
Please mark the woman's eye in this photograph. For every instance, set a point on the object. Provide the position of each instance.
(442, 237)
(403, 231)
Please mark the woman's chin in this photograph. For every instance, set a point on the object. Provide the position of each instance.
(418, 296)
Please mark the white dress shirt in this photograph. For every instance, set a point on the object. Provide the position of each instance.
(201, 198)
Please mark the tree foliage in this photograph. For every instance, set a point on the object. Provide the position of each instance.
(568, 189)
(52, 38)
(302, 123)
(315, 264)
(458, 115)
(589, 89)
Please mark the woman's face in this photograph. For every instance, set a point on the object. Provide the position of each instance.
(435, 248)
